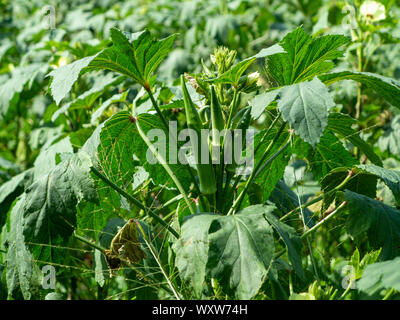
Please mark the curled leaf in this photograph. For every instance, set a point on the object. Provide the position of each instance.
(125, 247)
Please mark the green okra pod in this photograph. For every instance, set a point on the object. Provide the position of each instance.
(239, 127)
(217, 121)
(205, 171)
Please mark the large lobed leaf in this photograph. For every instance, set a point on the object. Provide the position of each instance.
(192, 251)
(291, 240)
(235, 250)
(134, 55)
(240, 251)
(20, 275)
(305, 57)
(119, 143)
(384, 86)
(48, 206)
(380, 221)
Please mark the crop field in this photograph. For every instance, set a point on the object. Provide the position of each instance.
(199, 150)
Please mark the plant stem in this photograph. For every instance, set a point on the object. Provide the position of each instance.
(162, 161)
(155, 105)
(256, 171)
(360, 69)
(135, 201)
(317, 199)
(150, 246)
(234, 108)
(272, 158)
(89, 243)
(388, 294)
(349, 287)
(169, 202)
(323, 221)
(267, 132)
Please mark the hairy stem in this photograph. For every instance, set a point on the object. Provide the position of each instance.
(256, 170)
(323, 221)
(163, 162)
(155, 105)
(317, 199)
(89, 243)
(151, 248)
(135, 201)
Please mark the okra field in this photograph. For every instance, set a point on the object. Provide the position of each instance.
(199, 150)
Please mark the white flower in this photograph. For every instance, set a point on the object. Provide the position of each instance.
(373, 11)
(253, 76)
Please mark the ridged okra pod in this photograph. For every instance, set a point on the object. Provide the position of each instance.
(239, 125)
(205, 171)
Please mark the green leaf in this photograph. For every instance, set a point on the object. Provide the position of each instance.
(390, 140)
(233, 75)
(12, 189)
(119, 97)
(291, 240)
(92, 217)
(240, 251)
(191, 251)
(276, 48)
(305, 57)
(46, 160)
(261, 101)
(385, 273)
(120, 143)
(388, 88)
(327, 155)
(274, 171)
(48, 205)
(340, 124)
(20, 77)
(380, 221)
(286, 200)
(360, 183)
(64, 77)
(306, 107)
(134, 55)
(87, 99)
(390, 177)
(20, 274)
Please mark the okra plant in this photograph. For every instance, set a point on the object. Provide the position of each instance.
(183, 191)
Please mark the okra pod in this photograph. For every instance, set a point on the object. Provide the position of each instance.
(204, 171)
(239, 126)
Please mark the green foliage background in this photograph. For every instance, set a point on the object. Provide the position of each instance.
(76, 100)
